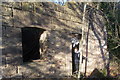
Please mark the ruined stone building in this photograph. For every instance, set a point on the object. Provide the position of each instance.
(36, 39)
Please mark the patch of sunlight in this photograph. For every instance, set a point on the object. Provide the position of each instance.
(1, 47)
(0, 39)
(60, 56)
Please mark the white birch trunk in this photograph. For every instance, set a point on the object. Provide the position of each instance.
(81, 41)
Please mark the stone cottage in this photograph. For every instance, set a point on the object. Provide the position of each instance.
(36, 39)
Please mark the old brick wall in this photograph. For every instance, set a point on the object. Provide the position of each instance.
(59, 22)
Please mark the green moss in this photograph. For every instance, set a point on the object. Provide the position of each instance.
(104, 72)
(27, 6)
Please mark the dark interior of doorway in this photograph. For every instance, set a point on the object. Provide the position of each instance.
(30, 43)
(77, 36)
(73, 59)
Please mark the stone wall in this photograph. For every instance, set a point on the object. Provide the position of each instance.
(59, 22)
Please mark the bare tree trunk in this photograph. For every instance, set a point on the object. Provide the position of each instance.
(116, 22)
(98, 5)
(118, 28)
(84, 12)
(80, 62)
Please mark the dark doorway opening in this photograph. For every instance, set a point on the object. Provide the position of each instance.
(30, 43)
(76, 37)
